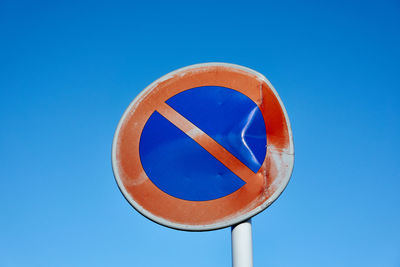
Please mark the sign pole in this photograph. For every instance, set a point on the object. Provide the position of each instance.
(242, 245)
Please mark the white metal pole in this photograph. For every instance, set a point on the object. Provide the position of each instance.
(242, 245)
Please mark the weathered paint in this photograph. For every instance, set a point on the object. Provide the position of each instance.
(261, 188)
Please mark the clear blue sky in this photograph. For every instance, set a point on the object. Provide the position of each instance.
(68, 70)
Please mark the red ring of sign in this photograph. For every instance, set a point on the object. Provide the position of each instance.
(261, 188)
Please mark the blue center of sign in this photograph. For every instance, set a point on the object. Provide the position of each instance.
(182, 168)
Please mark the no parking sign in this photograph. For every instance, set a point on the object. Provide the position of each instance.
(204, 147)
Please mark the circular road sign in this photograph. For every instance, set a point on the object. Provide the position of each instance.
(204, 147)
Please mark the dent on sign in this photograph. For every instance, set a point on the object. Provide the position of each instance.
(204, 147)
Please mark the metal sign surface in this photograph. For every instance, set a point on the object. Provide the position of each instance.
(204, 147)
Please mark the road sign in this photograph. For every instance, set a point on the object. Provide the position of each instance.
(204, 147)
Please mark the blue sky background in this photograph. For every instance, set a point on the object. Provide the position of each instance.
(68, 70)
